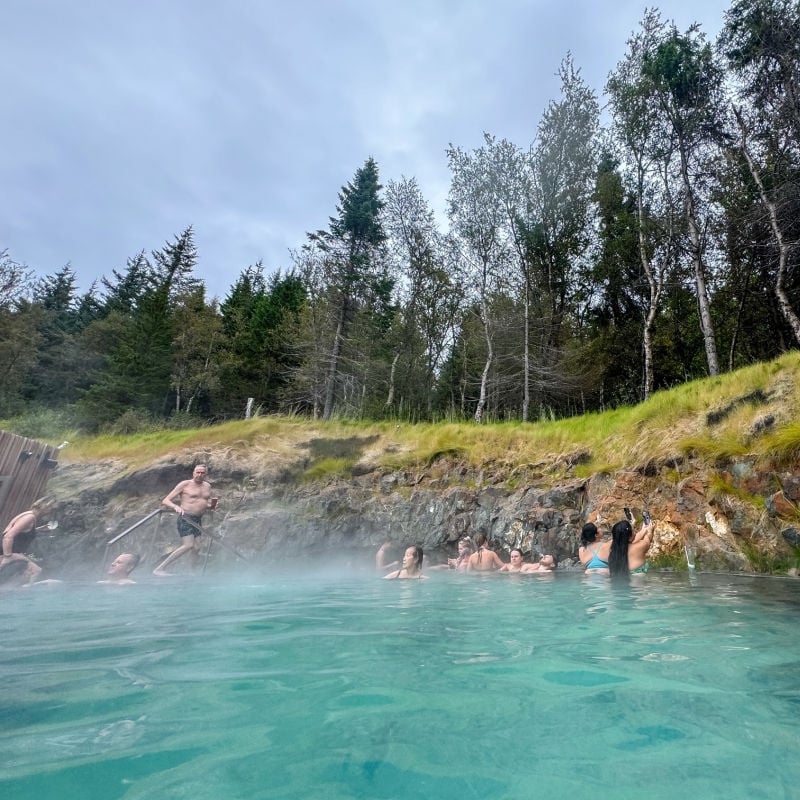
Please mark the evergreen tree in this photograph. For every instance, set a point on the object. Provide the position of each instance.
(354, 282)
(19, 333)
(259, 322)
(59, 372)
(136, 337)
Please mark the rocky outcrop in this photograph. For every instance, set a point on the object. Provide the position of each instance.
(733, 516)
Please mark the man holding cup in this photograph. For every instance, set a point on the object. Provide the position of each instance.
(190, 499)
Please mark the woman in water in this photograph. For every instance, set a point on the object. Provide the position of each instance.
(412, 565)
(459, 564)
(592, 553)
(484, 560)
(628, 553)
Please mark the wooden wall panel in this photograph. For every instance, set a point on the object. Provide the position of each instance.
(25, 467)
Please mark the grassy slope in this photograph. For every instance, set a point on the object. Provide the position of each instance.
(751, 412)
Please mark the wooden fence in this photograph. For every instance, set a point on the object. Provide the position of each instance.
(25, 467)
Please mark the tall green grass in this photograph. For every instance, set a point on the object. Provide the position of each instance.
(750, 412)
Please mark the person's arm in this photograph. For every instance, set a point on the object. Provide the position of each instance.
(498, 562)
(645, 532)
(167, 501)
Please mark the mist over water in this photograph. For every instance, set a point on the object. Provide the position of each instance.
(328, 681)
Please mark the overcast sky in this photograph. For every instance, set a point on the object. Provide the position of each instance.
(126, 121)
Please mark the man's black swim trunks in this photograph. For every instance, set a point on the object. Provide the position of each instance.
(189, 525)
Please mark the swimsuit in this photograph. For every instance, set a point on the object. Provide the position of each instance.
(189, 525)
(641, 570)
(596, 562)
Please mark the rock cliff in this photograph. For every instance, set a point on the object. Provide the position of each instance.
(736, 516)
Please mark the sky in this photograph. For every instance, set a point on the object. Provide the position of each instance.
(126, 121)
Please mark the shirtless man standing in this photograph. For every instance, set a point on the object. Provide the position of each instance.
(190, 499)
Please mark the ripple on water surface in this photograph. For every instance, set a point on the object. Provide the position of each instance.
(309, 686)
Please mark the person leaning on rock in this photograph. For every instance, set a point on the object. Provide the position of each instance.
(190, 499)
(19, 533)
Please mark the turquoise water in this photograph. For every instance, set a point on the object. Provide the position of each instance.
(460, 686)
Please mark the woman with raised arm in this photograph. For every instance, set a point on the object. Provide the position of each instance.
(628, 554)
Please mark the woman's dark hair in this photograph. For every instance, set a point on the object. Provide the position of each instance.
(480, 540)
(418, 554)
(517, 550)
(588, 533)
(618, 557)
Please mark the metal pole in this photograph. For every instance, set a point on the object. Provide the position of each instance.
(133, 527)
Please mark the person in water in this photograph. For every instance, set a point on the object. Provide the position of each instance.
(190, 499)
(459, 564)
(593, 552)
(121, 568)
(545, 564)
(461, 561)
(516, 564)
(628, 553)
(412, 565)
(484, 559)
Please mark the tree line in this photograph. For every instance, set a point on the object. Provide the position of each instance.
(588, 269)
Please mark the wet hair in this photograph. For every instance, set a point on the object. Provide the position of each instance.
(516, 550)
(467, 543)
(480, 540)
(588, 533)
(418, 554)
(618, 557)
(43, 505)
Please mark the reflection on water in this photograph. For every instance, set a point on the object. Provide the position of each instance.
(459, 686)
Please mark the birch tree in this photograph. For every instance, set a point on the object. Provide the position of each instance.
(476, 222)
(761, 42)
(686, 84)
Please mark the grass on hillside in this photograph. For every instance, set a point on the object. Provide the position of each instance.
(748, 412)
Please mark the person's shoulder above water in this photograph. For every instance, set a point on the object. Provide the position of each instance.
(412, 566)
(545, 564)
